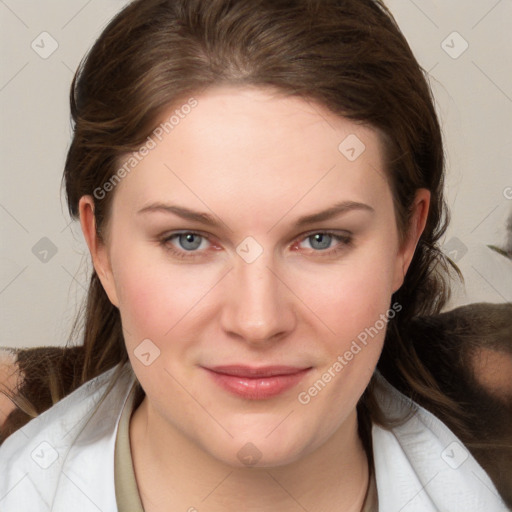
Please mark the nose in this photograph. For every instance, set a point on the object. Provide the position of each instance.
(258, 306)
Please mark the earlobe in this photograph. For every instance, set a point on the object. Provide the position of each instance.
(416, 226)
(97, 248)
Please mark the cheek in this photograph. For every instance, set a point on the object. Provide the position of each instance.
(355, 294)
(154, 296)
(356, 306)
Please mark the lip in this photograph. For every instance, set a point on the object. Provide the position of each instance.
(256, 383)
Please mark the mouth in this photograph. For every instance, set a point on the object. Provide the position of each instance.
(256, 383)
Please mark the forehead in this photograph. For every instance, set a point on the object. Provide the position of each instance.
(259, 149)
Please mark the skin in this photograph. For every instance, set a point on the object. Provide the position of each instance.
(256, 161)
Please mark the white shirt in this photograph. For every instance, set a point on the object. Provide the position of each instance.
(63, 460)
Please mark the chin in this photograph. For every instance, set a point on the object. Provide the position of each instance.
(260, 452)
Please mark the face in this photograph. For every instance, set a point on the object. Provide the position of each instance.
(252, 254)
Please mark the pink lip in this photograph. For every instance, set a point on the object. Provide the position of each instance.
(256, 383)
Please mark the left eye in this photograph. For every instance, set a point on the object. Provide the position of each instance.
(321, 240)
(189, 241)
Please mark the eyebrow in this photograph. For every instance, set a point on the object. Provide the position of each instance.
(209, 220)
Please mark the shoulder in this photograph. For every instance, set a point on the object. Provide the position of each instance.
(421, 465)
(64, 457)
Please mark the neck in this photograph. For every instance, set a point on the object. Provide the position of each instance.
(172, 470)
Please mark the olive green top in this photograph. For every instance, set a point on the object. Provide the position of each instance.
(127, 493)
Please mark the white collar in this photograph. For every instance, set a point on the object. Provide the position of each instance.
(422, 465)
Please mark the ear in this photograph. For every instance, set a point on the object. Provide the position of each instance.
(416, 226)
(97, 248)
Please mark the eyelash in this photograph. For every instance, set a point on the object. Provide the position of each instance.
(345, 241)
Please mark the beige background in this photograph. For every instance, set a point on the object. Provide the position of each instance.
(43, 259)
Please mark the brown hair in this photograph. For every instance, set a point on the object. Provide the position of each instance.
(348, 55)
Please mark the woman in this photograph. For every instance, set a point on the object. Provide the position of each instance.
(260, 188)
